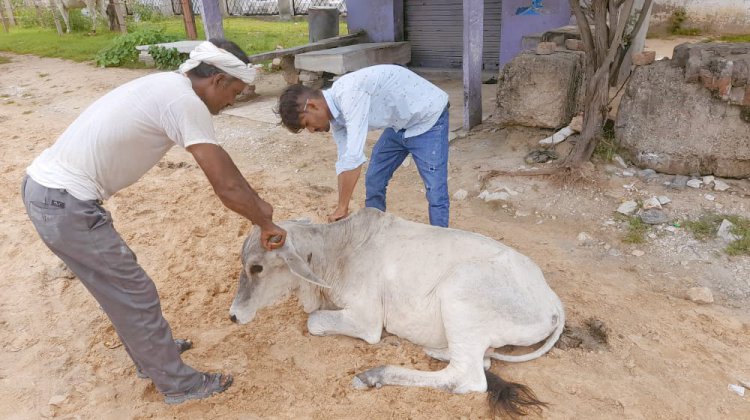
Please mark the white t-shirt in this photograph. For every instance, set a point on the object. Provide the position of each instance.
(122, 135)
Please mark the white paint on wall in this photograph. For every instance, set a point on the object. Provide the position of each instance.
(728, 16)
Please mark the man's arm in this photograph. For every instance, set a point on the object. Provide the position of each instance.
(347, 182)
(234, 191)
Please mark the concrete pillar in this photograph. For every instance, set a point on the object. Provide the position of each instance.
(213, 23)
(286, 9)
(323, 23)
(638, 42)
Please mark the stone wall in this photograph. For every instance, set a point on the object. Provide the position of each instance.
(690, 115)
(711, 16)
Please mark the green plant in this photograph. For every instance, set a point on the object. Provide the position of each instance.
(166, 58)
(606, 147)
(677, 20)
(636, 231)
(145, 12)
(122, 50)
(707, 226)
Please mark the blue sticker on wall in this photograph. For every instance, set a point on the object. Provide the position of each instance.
(534, 10)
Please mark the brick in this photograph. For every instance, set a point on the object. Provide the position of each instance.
(644, 58)
(545, 48)
(574, 44)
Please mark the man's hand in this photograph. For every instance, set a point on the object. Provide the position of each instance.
(272, 237)
(338, 214)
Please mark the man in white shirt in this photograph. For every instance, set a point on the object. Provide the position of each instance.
(109, 147)
(413, 113)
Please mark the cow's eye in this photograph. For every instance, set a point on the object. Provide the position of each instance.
(255, 269)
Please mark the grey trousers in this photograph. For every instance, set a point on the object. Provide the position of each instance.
(82, 235)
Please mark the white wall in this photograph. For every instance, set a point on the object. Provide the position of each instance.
(711, 16)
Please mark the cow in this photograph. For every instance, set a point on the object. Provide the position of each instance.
(93, 6)
(458, 294)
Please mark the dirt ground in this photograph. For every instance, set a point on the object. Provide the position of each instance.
(667, 357)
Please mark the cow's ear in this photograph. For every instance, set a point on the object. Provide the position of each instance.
(298, 266)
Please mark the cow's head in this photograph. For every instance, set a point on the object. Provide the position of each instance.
(268, 276)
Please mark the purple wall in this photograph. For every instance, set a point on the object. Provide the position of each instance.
(524, 17)
(382, 19)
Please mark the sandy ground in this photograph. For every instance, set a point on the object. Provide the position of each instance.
(666, 357)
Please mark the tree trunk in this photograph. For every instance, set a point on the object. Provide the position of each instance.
(4, 20)
(9, 13)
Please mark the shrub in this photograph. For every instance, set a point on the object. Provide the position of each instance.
(122, 50)
(166, 58)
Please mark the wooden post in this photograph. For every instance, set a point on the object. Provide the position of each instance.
(9, 13)
(120, 13)
(213, 23)
(472, 62)
(189, 18)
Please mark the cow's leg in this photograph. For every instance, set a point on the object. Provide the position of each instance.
(464, 373)
(347, 322)
(444, 356)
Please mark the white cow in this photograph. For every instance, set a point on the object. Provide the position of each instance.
(458, 294)
(93, 6)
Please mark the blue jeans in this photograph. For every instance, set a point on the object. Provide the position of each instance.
(430, 153)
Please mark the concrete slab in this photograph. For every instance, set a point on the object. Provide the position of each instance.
(342, 60)
(183, 47)
(260, 110)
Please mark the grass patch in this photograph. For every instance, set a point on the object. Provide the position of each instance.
(636, 231)
(254, 35)
(735, 38)
(4, 59)
(607, 147)
(707, 226)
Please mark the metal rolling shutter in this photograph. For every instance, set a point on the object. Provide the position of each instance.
(435, 30)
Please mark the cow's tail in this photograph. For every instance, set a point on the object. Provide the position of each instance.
(551, 340)
(510, 399)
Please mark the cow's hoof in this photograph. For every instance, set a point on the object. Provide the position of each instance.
(358, 384)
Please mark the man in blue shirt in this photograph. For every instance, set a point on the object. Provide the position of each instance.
(413, 114)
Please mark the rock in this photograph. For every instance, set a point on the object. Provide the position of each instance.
(646, 173)
(652, 203)
(540, 156)
(460, 195)
(495, 196)
(57, 400)
(679, 182)
(725, 232)
(737, 389)
(694, 183)
(574, 44)
(745, 383)
(674, 127)
(628, 174)
(638, 253)
(644, 58)
(276, 63)
(576, 123)
(700, 295)
(540, 90)
(720, 185)
(247, 94)
(620, 161)
(627, 207)
(663, 199)
(708, 179)
(584, 239)
(709, 197)
(654, 217)
(546, 48)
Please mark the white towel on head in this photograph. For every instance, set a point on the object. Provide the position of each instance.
(225, 61)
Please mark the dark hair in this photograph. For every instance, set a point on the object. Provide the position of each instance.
(292, 103)
(206, 70)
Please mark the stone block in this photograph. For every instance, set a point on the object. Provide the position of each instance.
(674, 127)
(343, 60)
(546, 48)
(644, 58)
(574, 44)
(540, 90)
